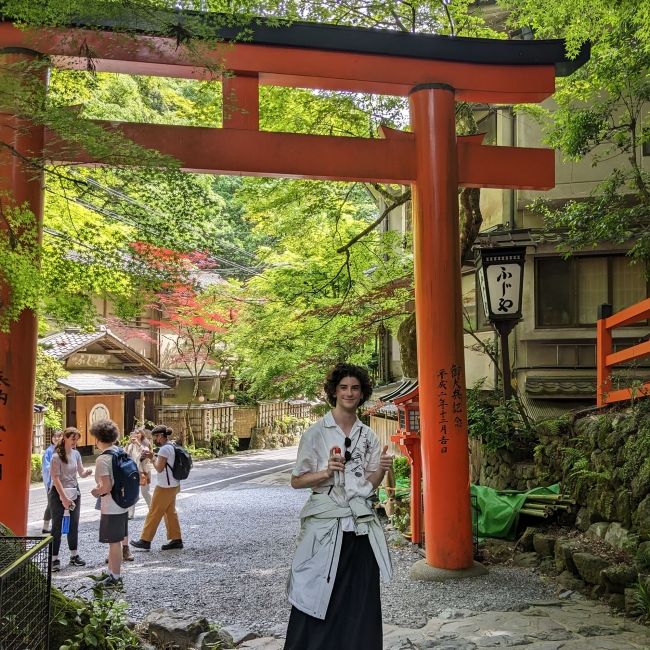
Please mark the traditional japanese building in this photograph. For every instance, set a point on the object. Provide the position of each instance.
(107, 379)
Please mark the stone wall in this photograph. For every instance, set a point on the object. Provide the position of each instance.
(602, 460)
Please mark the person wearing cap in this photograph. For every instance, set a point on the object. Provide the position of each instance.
(163, 502)
(333, 585)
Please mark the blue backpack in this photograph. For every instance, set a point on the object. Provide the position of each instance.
(126, 478)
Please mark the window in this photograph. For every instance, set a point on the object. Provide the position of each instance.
(569, 292)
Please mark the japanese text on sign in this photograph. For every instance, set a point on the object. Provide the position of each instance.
(443, 405)
(503, 280)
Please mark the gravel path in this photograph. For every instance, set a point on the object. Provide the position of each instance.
(238, 547)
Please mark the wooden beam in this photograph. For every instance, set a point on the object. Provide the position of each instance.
(290, 155)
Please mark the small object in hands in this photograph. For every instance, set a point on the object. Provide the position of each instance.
(339, 476)
(65, 524)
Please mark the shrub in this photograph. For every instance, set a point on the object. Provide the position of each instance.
(200, 453)
(223, 443)
(401, 467)
(36, 467)
(101, 623)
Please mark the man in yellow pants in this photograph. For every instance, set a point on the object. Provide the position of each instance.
(163, 502)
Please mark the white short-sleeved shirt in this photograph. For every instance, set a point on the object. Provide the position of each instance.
(104, 467)
(165, 478)
(314, 453)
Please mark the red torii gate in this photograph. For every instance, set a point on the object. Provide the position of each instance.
(433, 71)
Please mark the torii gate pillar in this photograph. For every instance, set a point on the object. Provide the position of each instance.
(21, 185)
(441, 374)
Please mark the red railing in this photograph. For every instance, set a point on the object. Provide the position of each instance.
(606, 358)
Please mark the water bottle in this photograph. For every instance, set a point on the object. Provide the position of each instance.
(65, 524)
(339, 476)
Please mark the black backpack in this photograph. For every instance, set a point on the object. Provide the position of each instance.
(126, 478)
(182, 463)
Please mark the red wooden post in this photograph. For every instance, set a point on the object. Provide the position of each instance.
(240, 96)
(20, 185)
(604, 348)
(441, 376)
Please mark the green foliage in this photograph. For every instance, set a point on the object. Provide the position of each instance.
(401, 467)
(223, 443)
(492, 420)
(401, 517)
(642, 600)
(102, 624)
(600, 111)
(36, 465)
(200, 453)
(47, 392)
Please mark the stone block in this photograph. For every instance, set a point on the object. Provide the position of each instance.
(568, 580)
(631, 601)
(598, 529)
(589, 567)
(167, 628)
(624, 508)
(237, 634)
(525, 542)
(617, 577)
(544, 545)
(584, 519)
(526, 559)
(617, 601)
(564, 556)
(616, 535)
(643, 518)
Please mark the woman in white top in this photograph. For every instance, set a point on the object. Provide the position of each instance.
(64, 496)
(334, 581)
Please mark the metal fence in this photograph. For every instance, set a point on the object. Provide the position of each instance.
(25, 581)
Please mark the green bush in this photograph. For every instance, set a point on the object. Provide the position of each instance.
(223, 443)
(401, 467)
(36, 467)
(200, 453)
(491, 419)
(98, 623)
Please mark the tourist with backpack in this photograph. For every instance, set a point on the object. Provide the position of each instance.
(118, 487)
(172, 464)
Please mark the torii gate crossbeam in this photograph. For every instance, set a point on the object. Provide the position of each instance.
(434, 72)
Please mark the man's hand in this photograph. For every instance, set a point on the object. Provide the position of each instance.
(335, 463)
(87, 473)
(96, 491)
(386, 459)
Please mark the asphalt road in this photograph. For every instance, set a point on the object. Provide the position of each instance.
(207, 475)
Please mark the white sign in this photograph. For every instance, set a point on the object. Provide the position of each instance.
(99, 412)
(503, 280)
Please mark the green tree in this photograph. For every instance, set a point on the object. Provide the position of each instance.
(48, 393)
(601, 111)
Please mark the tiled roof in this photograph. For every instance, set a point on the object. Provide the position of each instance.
(62, 344)
(109, 382)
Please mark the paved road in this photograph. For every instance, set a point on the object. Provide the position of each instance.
(208, 475)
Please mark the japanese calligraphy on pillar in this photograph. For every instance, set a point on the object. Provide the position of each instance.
(450, 405)
(443, 409)
(457, 396)
(4, 398)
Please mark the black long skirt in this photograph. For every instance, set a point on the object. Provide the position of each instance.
(353, 619)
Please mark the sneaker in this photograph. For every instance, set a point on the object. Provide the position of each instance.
(75, 560)
(127, 556)
(56, 566)
(175, 543)
(109, 582)
(46, 531)
(141, 544)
